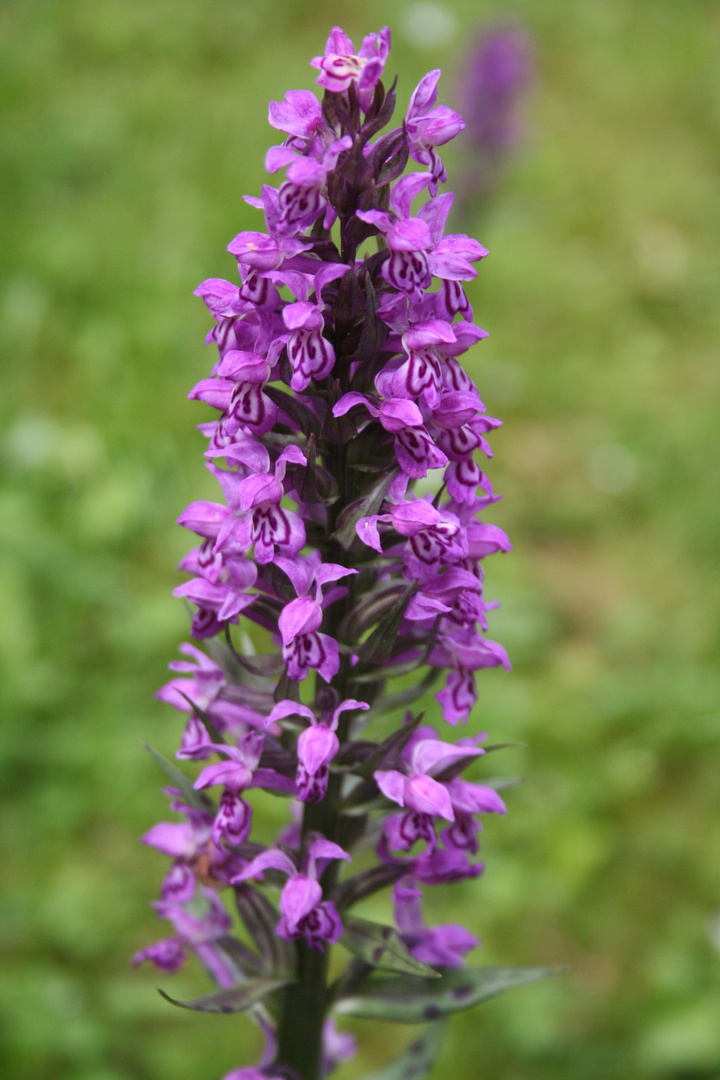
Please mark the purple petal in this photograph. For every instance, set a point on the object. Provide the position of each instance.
(392, 784)
(168, 955)
(324, 849)
(426, 796)
(376, 217)
(301, 616)
(176, 840)
(398, 413)
(367, 531)
(299, 114)
(411, 234)
(405, 191)
(433, 754)
(330, 662)
(424, 95)
(434, 213)
(348, 401)
(475, 798)
(278, 157)
(317, 746)
(289, 708)
(214, 392)
(233, 774)
(327, 572)
(347, 706)
(299, 896)
(410, 518)
(221, 297)
(302, 315)
(444, 946)
(272, 859)
(203, 518)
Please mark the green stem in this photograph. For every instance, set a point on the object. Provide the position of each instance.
(303, 1013)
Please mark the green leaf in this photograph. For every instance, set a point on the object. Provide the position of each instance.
(370, 611)
(379, 646)
(418, 1059)
(293, 407)
(179, 779)
(242, 958)
(504, 746)
(502, 783)
(224, 655)
(382, 947)
(406, 1000)
(388, 702)
(345, 534)
(266, 664)
(366, 883)
(392, 745)
(370, 337)
(237, 999)
(209, 726)
(260, 919)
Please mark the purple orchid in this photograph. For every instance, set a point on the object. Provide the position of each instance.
(441, 946)
(418, 250)
(303, 911)
(429, 125)
(414, 448)
(304, 647)
(299, 115)
(196, 931)
(338, 384)
(422, 797)
(310, 354)
(435, 537)
(340, 67)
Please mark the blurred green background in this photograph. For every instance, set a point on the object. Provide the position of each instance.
(130, 130)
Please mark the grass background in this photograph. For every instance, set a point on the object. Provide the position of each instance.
(130, 130)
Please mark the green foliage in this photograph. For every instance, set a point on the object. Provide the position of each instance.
(381, 947)
(237, 999)
(411, 1000)
(131, 129)
(417, 1061)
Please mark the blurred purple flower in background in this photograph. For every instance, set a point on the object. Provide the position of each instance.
(497, 74)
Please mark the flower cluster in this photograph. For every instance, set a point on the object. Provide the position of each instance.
(337, 388)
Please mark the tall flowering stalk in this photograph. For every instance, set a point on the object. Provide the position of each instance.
(338, 387)
(497, 74)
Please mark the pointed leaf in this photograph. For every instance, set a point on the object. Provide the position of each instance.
(366, 507)
(389, 702)
(373, 331)
(504, 746)
(242, 958)
(407, 1000)
(502, 783)
(179, 780)
(418, 1059)
(379, 646)
(266, 664)
(207, 722)
(236, 999)
(382, 947)
(260, 919)
(392, 745)
(370, 610)
(368, 882)
(224, 655)
(299, 413)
